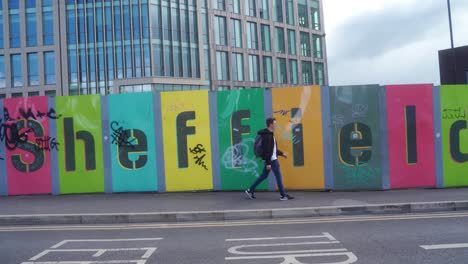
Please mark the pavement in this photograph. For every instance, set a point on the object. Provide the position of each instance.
(219, 206)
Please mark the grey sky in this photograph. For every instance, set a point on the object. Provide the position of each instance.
(390, 41)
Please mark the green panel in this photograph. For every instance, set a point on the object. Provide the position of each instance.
(133, 147)
(81, 165)
(454, 107)
(240, 116)
(357, 161)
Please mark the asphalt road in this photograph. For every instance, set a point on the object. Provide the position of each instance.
(423, 238)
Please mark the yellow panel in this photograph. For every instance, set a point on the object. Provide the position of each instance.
(191, 108)
(303, 130)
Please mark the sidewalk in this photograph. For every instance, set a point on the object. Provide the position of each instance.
(216, 206)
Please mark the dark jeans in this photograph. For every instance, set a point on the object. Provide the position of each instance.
(275, 168)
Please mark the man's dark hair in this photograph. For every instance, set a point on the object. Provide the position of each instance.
(270, 121)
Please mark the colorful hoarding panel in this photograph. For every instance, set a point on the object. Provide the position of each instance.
(356, 137)
(240, 116)
(411, 136)
(133, 147)
(299, 117)
(454, 107)
(28, 144)
(187, 142)
(81, 165)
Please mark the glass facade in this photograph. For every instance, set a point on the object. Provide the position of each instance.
(292, 42)
(15, 31)
(16, 74)
(279, 34)
(49, 68)
(33, 69)
(293, 73)
(252, 38)
(237, 62)
(2, 72)
(282, 74)
(307, 72)
(305, 44)
(220, 31)
(111, 43)
(266, 38)
(267, 69)
(317, 40)
(319, 74)
(236, 33)
(222, 66)
(254, 69)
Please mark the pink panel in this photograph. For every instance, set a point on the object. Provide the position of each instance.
(27, 159)
(411, 136)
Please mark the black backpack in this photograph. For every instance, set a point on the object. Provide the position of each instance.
(258, 146)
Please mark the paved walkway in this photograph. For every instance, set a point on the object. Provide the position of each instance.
(212, 201)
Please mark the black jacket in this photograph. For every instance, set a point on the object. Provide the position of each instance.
(267, 144)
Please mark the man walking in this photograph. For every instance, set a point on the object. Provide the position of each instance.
(270, 156)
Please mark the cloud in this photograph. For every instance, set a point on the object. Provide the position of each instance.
(389, 41)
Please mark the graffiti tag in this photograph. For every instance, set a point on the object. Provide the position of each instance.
(237, 158)
(120, 136)
(360, 110)
(46, 143)
(454, 113)
(199, 159)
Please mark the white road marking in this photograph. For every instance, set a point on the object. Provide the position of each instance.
(327, 235)
(445, 246)
(105, 240)
(99, 252)
(89, 262)
(292, 258)
(430, 216)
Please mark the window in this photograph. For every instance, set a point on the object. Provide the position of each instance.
(31, 39)
(264, 10)
(117, 24)
(71, 27)
(293, 71)
(234, 6)
(280, 40)
(315, 14)
(466, 73)
(50, 93)
(306, 72)
(222, 66)
(220, 30)
(13, 4)
(136, 20)
(110, 63)
(252, 42)
(15, 32)
(33, 69)
(319, 74)
(31, 94)
(16, 95)
(2, 45)
(267, 69)
(72, 67)
(48, 27)
(290, 12)
(2, 72)
(305, 44)
(266, 39)
(254, 73)
(219, 4)
(126, 20)
(236, 33)
(16, 76)
(282, 74)
(237, 62)
(250, 8)
(278, 10)
(302, 13)
(317, 46)
(292, 42)
(99, 25)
